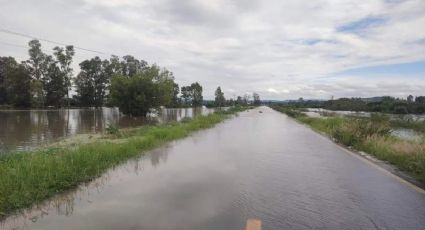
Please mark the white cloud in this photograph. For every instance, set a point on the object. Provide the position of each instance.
(282, 49)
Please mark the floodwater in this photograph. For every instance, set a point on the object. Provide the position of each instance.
(258, 165)
(407, 134)
(27, 129)
(314, 112)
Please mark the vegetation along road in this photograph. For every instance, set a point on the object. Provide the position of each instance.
(257, 165)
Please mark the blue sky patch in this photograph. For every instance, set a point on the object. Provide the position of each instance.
(411, 69)
(360, 25)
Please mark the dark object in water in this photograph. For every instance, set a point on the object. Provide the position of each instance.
(260, 111)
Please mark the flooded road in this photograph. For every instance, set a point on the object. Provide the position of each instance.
(257, 165)
(28, 129)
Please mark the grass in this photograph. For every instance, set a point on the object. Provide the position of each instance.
(371, 135)
(31, 177)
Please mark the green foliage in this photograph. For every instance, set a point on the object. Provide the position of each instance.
(219, 101)
(136, 95)
(192, 95)
(15, 83)
(380, 104)
(30, 177)
(256, 99)
(112, 129)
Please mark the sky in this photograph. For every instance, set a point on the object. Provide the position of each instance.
(279, 49)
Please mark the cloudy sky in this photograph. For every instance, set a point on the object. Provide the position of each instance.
(280, 49)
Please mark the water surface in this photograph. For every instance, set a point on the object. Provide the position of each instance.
(258, 165)
(27, 129)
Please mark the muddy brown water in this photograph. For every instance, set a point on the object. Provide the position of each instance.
(257, 165)
(28, 129)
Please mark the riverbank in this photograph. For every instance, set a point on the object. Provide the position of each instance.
(31, 177)
(371, 135)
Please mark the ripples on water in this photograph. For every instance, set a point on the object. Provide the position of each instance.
(27, 129)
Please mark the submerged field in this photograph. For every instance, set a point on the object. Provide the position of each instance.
(30, 177)
(372, 135)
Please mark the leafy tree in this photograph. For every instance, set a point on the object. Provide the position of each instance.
(137, 94)
(256, 98)
(219, 101)
(196, 90)
(92, 81)
(64, 58)
(176, 100)
(130, 66)
(55, 84)
(37, 68)
(239, 100)
(186, 94)
(14, 83)
(410, 99)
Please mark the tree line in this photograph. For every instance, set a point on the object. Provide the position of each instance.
(386, 104)
(129, 83)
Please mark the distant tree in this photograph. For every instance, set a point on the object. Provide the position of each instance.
(420, 99)
(92, 81)
(131, 66)
(64, 59)
(37, 68)
(136, 95)
(186, 94)
(55, 83)
(4, 68)
(219, 101)
(15, 82)
(256, 98)
(197, 97)
(239, 100)
(175, 102)
(410, 99)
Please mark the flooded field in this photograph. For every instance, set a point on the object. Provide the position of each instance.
(27, 129)
(317, 112)
(258, 165)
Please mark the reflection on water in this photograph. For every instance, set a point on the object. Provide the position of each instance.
(26, 129)
(260, 165)
(62, 205)
(318, 112)
(407, 134)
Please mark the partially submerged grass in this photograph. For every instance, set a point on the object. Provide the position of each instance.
(371, 135)
(30, 177)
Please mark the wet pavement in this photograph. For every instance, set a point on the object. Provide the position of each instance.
(257, 165)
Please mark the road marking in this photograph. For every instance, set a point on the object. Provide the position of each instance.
(253, 224)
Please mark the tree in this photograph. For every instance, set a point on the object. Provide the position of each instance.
(54, 84)
(64, 58)
(175, 102)
(186, 94)
(239, 100)
(256, 98)
(92, 82)
(37, 68)
(197, 97)
(14, 83)
(410, 99)
(130, 66)
(136, 95)
(219, 98)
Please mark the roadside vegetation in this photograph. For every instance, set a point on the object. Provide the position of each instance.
(371, 135)
(31, 177)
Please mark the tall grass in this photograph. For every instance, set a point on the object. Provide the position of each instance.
(371, 135)
(30, 177)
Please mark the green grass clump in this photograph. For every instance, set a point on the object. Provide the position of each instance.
(30, 177)
(371, 135)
